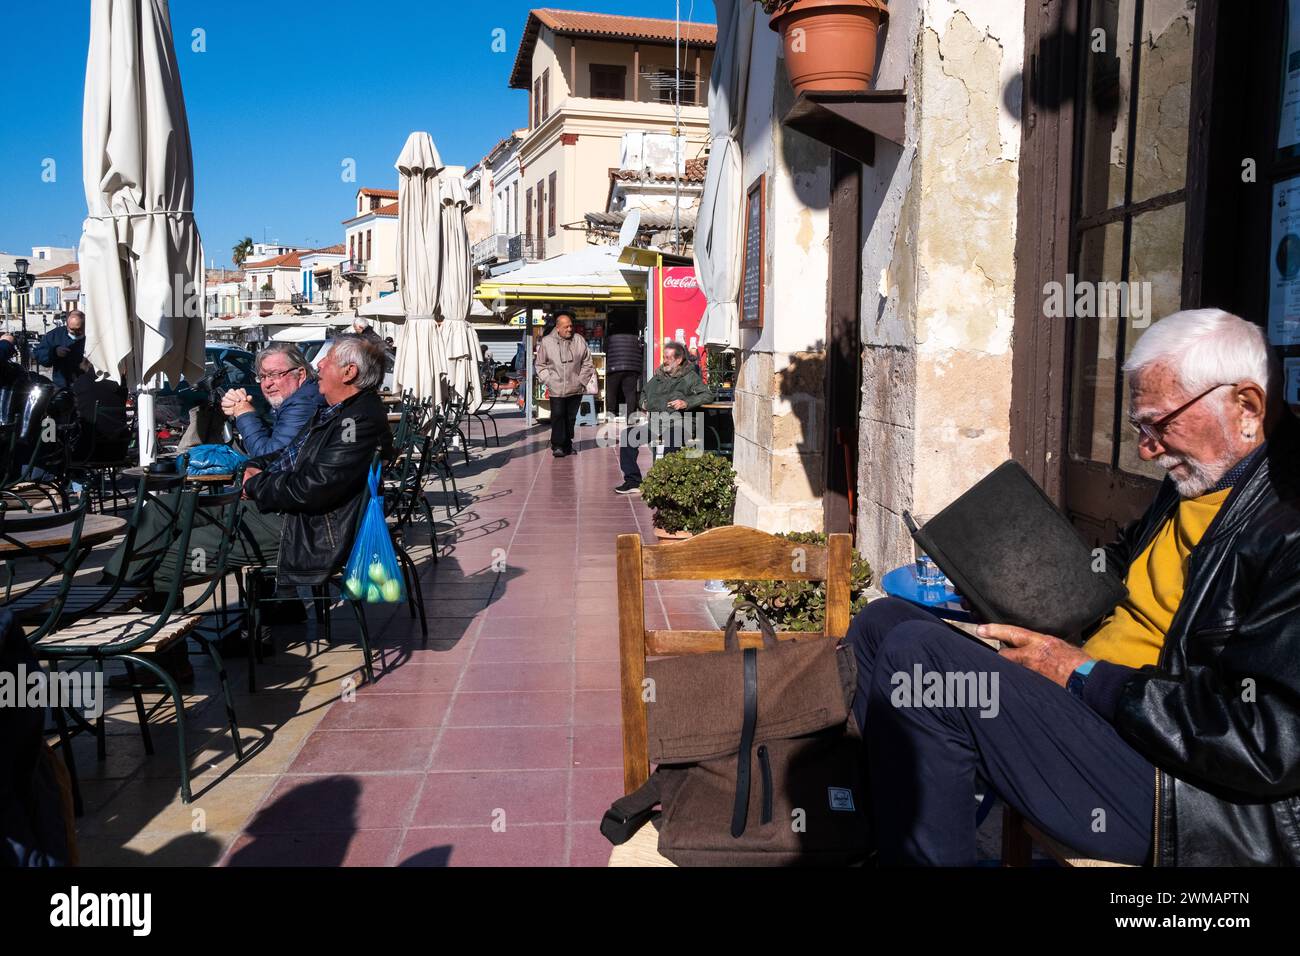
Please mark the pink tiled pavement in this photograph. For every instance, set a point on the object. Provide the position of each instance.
(498, 744)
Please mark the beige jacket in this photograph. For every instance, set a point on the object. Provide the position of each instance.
(564, 365)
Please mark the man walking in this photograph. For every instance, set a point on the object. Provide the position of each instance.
(675, 389)
(62, 348)
(564, 366)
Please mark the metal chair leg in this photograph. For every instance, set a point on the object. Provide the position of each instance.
(360, 613)
(140, 713)
(170, 684)
(220, 665)
(69, 760)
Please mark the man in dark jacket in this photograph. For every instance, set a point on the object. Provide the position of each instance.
(304, 498)
(674, 390)
(1173, 735)
(317, 483)
(62, 349)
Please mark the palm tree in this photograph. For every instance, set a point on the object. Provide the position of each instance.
(243, 249)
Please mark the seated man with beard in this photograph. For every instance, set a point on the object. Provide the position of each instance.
(303, 500)
(289, 384)
(1172, 736)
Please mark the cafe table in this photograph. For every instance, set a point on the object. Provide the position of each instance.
(216, 481)
(96, 529)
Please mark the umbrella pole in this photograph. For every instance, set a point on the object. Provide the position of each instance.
(144, 414)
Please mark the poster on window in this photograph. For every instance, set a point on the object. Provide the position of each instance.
(678, 309)
(1292, 369)
(1288, 134)
(1284, 265)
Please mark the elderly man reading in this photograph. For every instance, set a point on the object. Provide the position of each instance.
(1173, 735)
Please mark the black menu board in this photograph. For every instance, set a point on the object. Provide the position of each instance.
(751, 287)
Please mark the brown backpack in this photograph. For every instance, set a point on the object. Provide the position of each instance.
(759, 759)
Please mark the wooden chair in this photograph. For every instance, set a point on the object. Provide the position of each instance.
(1019, 837)
(721, 553)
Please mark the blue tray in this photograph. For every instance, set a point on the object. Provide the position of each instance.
(941, 599)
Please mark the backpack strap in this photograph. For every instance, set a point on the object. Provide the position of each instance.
(743, 756)
(629, 813)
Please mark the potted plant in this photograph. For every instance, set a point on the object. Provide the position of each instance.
(829, 44)
(801, 605)
(689, 493)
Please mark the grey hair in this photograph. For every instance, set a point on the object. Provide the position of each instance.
(1208, 347)
(368, 356)
(290, 352)
(678, 348)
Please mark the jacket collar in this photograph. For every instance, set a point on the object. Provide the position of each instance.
(1274, 463)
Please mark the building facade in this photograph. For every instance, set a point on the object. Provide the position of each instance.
(1043, 181)
(591, 78)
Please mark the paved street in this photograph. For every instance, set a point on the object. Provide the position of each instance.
(497, 744)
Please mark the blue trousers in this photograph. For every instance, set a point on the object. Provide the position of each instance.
(937, 708)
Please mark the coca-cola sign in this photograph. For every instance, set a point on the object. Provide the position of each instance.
(681, 282)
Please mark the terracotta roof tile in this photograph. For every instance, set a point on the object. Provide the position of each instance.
(694, 173)
(67, 269)
(381, 193)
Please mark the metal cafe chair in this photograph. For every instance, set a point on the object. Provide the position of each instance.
(132, 637)
(112, 595)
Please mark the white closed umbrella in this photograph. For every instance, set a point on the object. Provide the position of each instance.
(718, 231)
(419, 242)
(141, 256)
(459, 343)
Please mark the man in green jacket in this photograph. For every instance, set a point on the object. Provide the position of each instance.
(674, 390)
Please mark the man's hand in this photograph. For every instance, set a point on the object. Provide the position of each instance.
(62, 351)
(10, 338)
(677, 404)
(1041, 653)
(236, 402)
(249, 473)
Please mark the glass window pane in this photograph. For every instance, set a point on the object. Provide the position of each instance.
(1108, 55)
(1096, 338)
(1156, 269)
(1164, 96)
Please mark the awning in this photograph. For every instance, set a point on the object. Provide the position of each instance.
(591, 273)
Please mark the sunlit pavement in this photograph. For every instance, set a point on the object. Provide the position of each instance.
(497, 744)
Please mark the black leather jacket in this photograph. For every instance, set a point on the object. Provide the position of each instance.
(322, 499)
(1219, 714)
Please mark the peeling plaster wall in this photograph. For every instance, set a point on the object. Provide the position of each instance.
(939, 266)
(779, 388)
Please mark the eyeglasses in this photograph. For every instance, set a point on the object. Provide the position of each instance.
(1154, 431)
(273, 376)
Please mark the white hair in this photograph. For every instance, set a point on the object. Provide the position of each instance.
(1207, 347)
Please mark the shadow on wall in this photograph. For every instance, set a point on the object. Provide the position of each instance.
(802, 384)
(799, 153)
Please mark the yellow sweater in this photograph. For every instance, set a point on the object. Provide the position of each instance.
(1134, 634)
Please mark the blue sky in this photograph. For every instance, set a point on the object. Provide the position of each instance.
(284, 92)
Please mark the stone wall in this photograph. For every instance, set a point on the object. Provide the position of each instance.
(939, 267)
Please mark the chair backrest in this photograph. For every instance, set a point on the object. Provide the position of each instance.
(720, 553)
(17, 533)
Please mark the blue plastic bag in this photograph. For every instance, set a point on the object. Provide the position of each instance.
(214, 460)
(372, 573)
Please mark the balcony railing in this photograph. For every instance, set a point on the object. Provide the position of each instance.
(522, 247)
(354, 267)
(495, 248)
(257, 295)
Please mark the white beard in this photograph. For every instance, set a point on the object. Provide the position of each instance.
(1201, 477)
(275, 402)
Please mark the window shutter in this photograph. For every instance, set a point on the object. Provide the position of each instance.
(550, 200)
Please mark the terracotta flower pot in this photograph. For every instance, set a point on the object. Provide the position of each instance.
(663, 535)
(830, 44)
